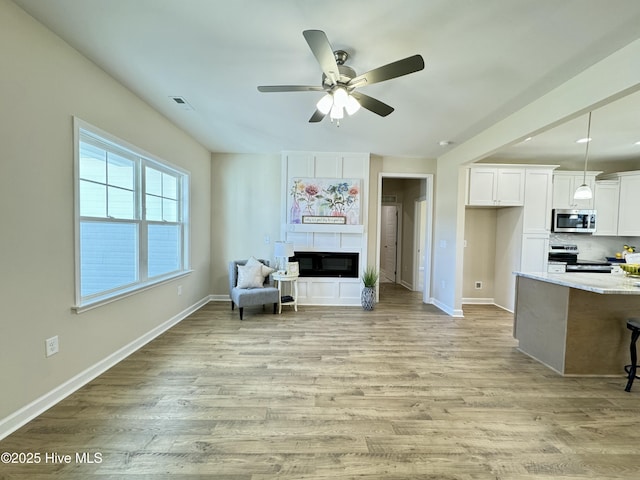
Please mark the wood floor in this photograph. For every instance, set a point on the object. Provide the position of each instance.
(401, 392)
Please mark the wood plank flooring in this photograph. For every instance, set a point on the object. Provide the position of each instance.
(401, 392)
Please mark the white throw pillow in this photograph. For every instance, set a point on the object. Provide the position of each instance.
(250, 276)
(266, 271)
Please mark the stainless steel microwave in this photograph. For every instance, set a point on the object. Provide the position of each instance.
(574, 221)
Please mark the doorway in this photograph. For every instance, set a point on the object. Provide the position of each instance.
(404, 231)
(389, 251)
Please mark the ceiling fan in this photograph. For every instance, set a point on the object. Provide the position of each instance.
(340, 81)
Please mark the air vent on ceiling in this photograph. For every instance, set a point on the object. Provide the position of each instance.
(182, 103)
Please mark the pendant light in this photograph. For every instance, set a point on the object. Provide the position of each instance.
(583, 192)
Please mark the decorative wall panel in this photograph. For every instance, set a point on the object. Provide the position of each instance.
(341, 189)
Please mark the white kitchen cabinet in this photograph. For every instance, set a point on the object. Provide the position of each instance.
(496, 186)
(606, 196)
(535, 252)
(536, 220)
(565, 184)
(628, 204)
(627, 220)
(537, 200)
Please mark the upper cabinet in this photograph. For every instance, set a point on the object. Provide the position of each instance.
(494, 186)
(537, 199)
(617, 199)
(605, 196)
(628, 224)
(565, 184)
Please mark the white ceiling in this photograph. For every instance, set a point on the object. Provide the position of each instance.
(615, 129)
(484, 60)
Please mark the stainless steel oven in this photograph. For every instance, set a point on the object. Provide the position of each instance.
(574, 221)
(564, 258)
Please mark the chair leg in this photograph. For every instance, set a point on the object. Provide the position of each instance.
(233, 305)
(275, 308)
(241, 309)
(634, 360)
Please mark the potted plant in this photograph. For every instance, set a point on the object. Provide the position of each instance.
(368, 297)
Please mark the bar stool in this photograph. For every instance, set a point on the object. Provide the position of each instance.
(633, 324)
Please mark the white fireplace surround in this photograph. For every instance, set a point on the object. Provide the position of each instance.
(327, 238)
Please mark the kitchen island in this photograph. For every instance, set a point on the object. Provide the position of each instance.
(575, 323)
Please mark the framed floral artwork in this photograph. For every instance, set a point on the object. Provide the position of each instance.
(334, 201)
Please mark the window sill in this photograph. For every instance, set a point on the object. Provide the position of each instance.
(98, 302)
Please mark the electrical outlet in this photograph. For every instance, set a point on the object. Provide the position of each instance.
(478, 285)
(51, 346)
(179, 290)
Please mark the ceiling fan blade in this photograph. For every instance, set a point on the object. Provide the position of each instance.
(389, 71)
(321, 48)
(290, 88)
(372, 104)
(317, 116)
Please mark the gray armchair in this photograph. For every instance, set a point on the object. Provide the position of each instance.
(246, 297)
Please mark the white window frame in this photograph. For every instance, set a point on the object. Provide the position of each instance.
(142, 159)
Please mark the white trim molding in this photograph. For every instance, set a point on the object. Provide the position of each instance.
(454, 312)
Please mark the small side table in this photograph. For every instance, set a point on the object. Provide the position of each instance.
(291, 279)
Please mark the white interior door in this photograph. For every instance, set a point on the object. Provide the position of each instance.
(420, 220)
(389, 243)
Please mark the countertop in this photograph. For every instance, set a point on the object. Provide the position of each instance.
(605, 283)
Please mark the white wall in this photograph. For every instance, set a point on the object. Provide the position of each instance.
(245, 212)
(42, 85)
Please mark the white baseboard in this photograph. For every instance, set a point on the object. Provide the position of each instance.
(407, 285)
(478, 301)
(504, 308)
(27, 413)
(484, 301)
(219, 298)
(454, 312)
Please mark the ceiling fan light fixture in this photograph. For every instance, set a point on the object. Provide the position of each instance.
(340, 81)
(337, 112)
(340, 97)
(325, 103)
(352, 105)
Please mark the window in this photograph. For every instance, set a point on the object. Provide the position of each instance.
(131, 218)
